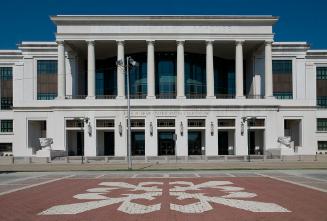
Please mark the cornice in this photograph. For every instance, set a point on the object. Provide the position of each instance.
(164, 19)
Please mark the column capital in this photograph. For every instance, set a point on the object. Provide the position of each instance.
(209, 41)
(120, 41)
(89, 42)
(60, 42)
(239, 42)
(150, 41)
(268, 42)
(180, 42)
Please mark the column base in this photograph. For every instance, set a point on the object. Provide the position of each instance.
(210, 97)
(181, 97)
(151, 97)
(270, 97)
(240, 97)
(120, 97)
(60, 98)
(90, 98)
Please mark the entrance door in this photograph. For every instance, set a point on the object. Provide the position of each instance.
(138, 143)
(80, 143)
(194, 143)
(251, 142)
(109, 143)
(166, 143)
(223, 142)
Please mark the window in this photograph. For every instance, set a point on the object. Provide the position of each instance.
(166, 122)
(105, 123)
(322, 86)
(74, 123)
(5, 149)
(46, 79)
(226, 123)
(6, 126)
(6, 88)
(196, 123)
(224, 79)
(165, 74)
(282, 79)
(322, 124)
(256, 122)
(138, 77)
(195, 76)
(322, 145)
(137, 123)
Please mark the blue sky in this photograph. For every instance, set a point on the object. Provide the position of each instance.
(28, 20)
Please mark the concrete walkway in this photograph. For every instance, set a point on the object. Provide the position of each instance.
(166, 166)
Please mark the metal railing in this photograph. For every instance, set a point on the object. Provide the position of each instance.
(166, 96)
(251, 96)
(72, 97)
(196, 96)
(137, 96)
(225, 96)
(105, 96)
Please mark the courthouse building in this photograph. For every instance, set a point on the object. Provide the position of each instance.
(204, 85)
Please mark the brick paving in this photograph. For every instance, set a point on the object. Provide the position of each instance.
(285, 201)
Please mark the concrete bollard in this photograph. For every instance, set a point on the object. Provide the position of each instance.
(12, 160)
(106, 159)
(67, 159)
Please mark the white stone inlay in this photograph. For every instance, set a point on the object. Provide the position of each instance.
(99, 197)
(180, 188)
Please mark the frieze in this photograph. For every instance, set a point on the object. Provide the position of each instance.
(167, 113)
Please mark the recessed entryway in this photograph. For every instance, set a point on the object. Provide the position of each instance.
(166, 143)
(75, 137)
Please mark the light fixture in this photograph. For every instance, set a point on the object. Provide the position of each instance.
(120, 62)
(181, 128)
(133, 62)
(212, 128)
(89, 129)
(242, 128)
(120, 129)
(151, 129)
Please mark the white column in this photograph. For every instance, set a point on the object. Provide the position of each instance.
(61, 70)
(151, 70)
(180, 70)
(90, 70)
(120, 71)
(210, 71)
(268, 71)
(239, 69)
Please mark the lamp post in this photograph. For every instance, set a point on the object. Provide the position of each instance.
(120, 63)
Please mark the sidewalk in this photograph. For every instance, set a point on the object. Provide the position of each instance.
(276, 165)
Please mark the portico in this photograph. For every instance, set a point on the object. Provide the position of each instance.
(150, 53)
(231, 41)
